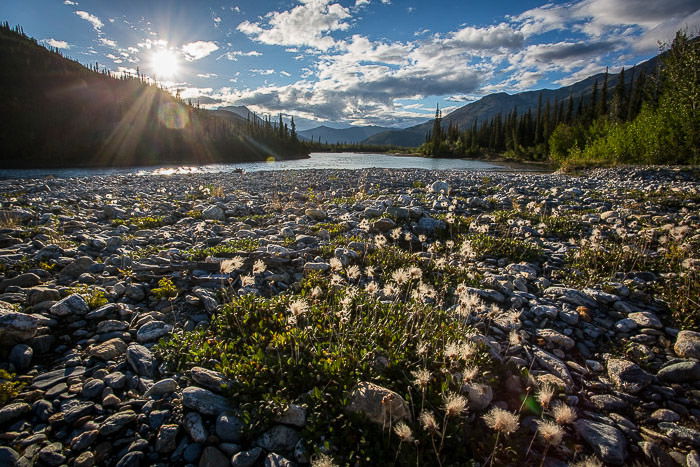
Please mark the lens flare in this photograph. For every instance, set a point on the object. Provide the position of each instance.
(165, 63)
(173, 116)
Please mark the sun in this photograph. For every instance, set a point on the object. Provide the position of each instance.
(165, 63)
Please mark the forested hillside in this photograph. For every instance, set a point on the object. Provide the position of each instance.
(59, 113)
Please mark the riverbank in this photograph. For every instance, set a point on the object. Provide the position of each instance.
(361, 315)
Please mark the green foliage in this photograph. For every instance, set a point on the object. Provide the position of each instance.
(165, 289)
(333, 228)
(146, 222)
(317, 354)
(231, 247)
(93, 296)
(503, 247)
(9, 389)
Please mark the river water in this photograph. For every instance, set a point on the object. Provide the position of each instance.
(319, 160)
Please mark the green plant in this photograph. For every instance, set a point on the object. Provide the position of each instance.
(231, 247)
(165, 289)
(503, 247)
(9, 389)
(93, 296)
(147, 222)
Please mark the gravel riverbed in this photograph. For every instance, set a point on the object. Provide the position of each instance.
(83, 302)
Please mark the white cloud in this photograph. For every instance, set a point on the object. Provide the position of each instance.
(108, 42)
(285, 73)
(57, 44)
(489, 38)
(217, 21)
(199, 49)
(92, 19)
(234, 54)
(308, 24)
(207, 75)
(69, 2)
(264, 72)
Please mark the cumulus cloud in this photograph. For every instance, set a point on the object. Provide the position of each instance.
(234, 54)
(199, 49)
(69, 2)
(108, 42)
(264, 72)
(92, 19)
(308, 24)
(489, 38)
(57, 44)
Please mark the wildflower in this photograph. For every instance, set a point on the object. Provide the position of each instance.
(408, 237)
(370, 271)
(396, 233)
(428, 422)
(550, 432)
(401, 276)
(563, 414)
(323, 460)
(415, 273)
(298, 307)
(501, 420)
(230, 265)
(336, 264)
(390, 289)
(292, 320)
(451, 350)
(545, 395)
(455, 404)
(422, 238)
(316, 292)
(590, 461)
(470, 373)
(421, 377)
(259, 267)
(380, 240)
(353, 272)
(450, 244)
(513, 337)
(336, 280)
(466, 350)
(422, 348)
(247, 280)
(372, 288)
(404, 432)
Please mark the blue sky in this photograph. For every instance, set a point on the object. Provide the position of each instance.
(385, 62)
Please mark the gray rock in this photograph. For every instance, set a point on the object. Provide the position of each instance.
(194, 427)
(52, 454)
(430, 225)
(92, 388)
(628, 376)
(479, 395)
(74, 409)
(214, 213)
(52, 378)
(246, 458)
(439, 186)
(646, 319)
(108, 350)
(152, 331)
(229, 428)
(377, 403)
(166, 439)
(680, 372)
(76, 268)
(607, 442)
(164, 386)
(609, 403)
(21, 356)
(278, 438)
(23, 280)
(626, 325)
(572, 296)
(135, 292)
(383, 224)
(131, 459)
(207, 297)
(656, 454)
(116, 422)
(316, 214)
(664, 415)
(687, 344)
(13, 411)
(110, 325)
(15, 327)
(553, 365)
(275, 460)
(311, 266)
(681, 433)
(556, 338)
(204, 401)
(9, 457)
(209, 379)
(294, 415)
(141, 360)
(212, 457)
(37, 295)
(72, 304)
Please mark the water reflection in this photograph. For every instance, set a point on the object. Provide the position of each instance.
(346, 160)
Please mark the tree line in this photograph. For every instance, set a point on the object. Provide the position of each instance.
(646, 118)
(59, 113)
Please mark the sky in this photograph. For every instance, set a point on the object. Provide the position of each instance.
(354, 62)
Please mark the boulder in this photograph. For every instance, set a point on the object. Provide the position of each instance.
(378, 404)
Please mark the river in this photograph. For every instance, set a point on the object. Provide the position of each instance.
(319, 160)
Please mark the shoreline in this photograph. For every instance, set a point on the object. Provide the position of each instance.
(100, 274)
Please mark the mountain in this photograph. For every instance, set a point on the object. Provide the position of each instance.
(59, 113)
(353, 134)
(491, 105)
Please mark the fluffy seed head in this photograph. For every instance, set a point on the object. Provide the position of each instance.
(455, 404)
(259, 267)
(404, 432)
(336, 264)
(230, 265)
(323, 460)
(247, 280)
(564, 414)
(353, 272)
(550, 432)
(545, 395)
(501, 420)
(421, 378)
(298, 307)
(428, 422)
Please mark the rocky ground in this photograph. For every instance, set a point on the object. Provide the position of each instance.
(95, 271)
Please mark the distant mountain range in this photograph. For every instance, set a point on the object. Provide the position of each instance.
(353, 134)
(491, 105)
